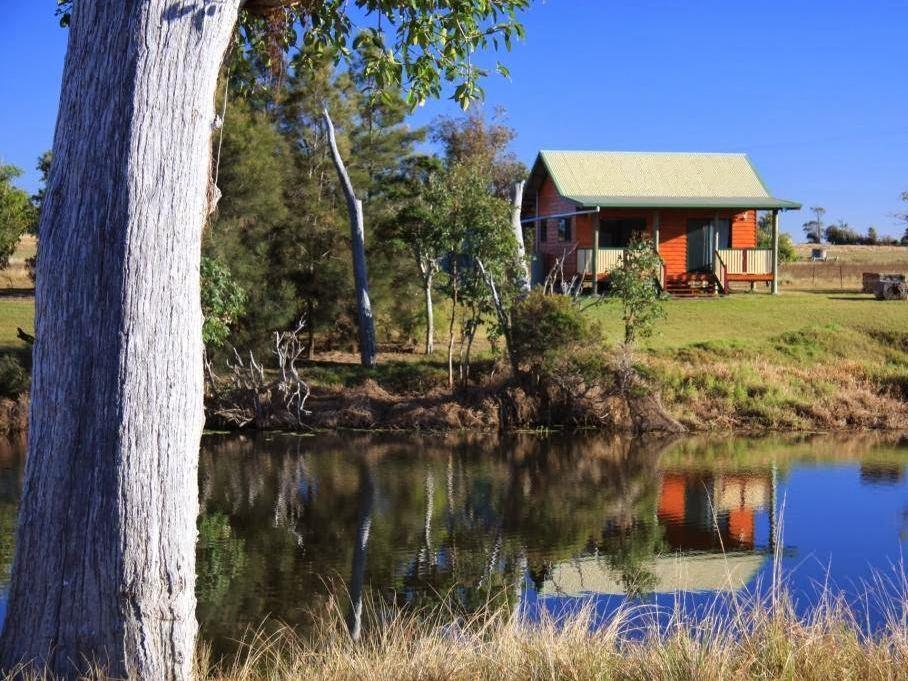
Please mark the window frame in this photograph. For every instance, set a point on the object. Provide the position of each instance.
(565, 229)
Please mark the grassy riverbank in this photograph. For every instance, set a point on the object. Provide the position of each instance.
(756, 639)
(796, 361)
(799, 361)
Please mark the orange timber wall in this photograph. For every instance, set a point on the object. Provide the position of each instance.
(672, 229)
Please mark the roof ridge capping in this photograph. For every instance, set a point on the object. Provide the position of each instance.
(642, 151)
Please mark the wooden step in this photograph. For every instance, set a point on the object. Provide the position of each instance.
(691, 286)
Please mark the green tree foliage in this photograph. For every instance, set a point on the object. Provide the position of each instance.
(476, 229)
(634, 284)
(252, 175)
(223, 301)
(814, 229)
(552, 340)
(787, 251)
(14, 378)
(903, 218)
(17, 214)
(484, 145)
(37, 200)
(468, 218)
(43, 167)
(411, 46)
(842, 234)
(413, 229)
(282, 226)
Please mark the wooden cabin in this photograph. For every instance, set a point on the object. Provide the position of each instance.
(699, 209)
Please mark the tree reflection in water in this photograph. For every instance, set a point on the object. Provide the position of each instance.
(292, 526)
(287, 521)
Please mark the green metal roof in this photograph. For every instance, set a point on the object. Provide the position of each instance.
(657, 179)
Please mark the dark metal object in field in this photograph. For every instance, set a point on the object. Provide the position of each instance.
(870, 280)
(890, 288)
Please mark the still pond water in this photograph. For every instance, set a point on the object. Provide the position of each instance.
(551, 522)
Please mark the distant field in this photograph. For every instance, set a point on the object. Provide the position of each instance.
(15, 276)
(858, 255)
(843, 268)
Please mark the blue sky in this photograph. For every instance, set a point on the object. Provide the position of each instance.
(815, 92)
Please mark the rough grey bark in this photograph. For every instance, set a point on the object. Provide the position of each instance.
(367, 351)
(523, 271)
(105, 551)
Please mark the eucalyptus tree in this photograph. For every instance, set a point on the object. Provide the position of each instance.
(104, 571)
(415, 228)
(477, 242)
(17, 214)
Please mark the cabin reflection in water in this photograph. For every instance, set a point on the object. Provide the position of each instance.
(709, 525)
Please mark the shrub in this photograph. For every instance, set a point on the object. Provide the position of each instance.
(14, 379)
(555, 342)
(223, 300)
(543, 326)
(634, 284)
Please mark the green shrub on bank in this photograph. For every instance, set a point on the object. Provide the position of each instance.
(14, 379)
(551, 337)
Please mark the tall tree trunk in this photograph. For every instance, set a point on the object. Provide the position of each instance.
(367, 351)
(451, 338)
(105, 550)
(430, 313)
(523, 272)
(310, 331)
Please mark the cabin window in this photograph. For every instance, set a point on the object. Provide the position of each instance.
(618, 233)
(543, 235)
(564, 229)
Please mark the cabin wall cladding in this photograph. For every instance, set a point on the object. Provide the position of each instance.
(550, 202)
(744, 230)
(673, 242)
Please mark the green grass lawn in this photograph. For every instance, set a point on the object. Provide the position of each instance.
(752, 319)
(15, 312)
(747, 319)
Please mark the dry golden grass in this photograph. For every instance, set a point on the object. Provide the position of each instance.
(753, 638)
(15, 276)
(858, 255)
(740, 637)
(843, 268)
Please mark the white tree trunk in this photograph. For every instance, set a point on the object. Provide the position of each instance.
(367, 350)
(523, 271)
(105, 551)
(430, 313)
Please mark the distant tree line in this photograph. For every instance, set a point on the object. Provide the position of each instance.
(840, 233)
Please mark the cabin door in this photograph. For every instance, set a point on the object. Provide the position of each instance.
(700, 245)
(703, 238)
